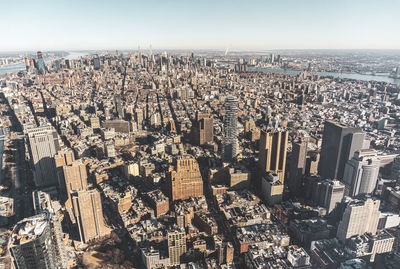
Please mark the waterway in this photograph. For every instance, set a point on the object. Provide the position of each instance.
(328, 74)
(19, 67)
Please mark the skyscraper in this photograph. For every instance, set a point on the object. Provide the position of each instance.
(339, 143)
(297, 165)
(96, 63)
(272, 156)
(230, 143)
(139, 57)
(40, 62)
(26, 63)
(202, 129)
(74, 179)
(88, 213)
(359, 217)
(43, 142)
(118, 106)
(63, 158)
(185, 180)
(36, 243)
(176, 245)
(327, 193)
(361, 172)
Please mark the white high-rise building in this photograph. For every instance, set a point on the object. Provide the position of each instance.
(359, 217)
(36, 242)
(361, 172)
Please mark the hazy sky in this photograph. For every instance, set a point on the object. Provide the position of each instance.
(202, 24)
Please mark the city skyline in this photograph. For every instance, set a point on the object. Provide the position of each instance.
(200, 134)
(258, 25)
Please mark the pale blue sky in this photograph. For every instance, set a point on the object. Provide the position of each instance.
(206, 24)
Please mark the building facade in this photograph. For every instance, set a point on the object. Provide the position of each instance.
(230, 142)
(185, 180)
(43, 144)
(361, 172)
(359, 217)
(36, 243)
(202, 129)
(176, 245)
(88, 213)
(339, 143)
(75, 179)
(273, 149)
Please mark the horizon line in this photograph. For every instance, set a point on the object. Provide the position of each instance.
(204, 49)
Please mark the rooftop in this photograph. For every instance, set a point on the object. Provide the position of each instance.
(29, 229)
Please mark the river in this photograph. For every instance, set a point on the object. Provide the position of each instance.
(18, 67)
(330, 74)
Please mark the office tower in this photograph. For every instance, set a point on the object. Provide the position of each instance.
(68, 63)
(202, 129)
(26, 63)
(88, 214)
(361, 172)
(109, 149)
(139, 117)
(241, 67)
(230, 144)
(118, 106)
(96, 63)
(57, 64)
(339, 143)
(43, 142)
(271, 188)
(139, 57)
(36, 242)
(32, 64)
(297, 165)
(171, 126)
(267, 115)
(185, 180)
(176, 245)
(62, 158)
(312, 161)
(74, 179)
(272, 156)
(40, 62)
(327, 193)
(359, 217)
(395, 173)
